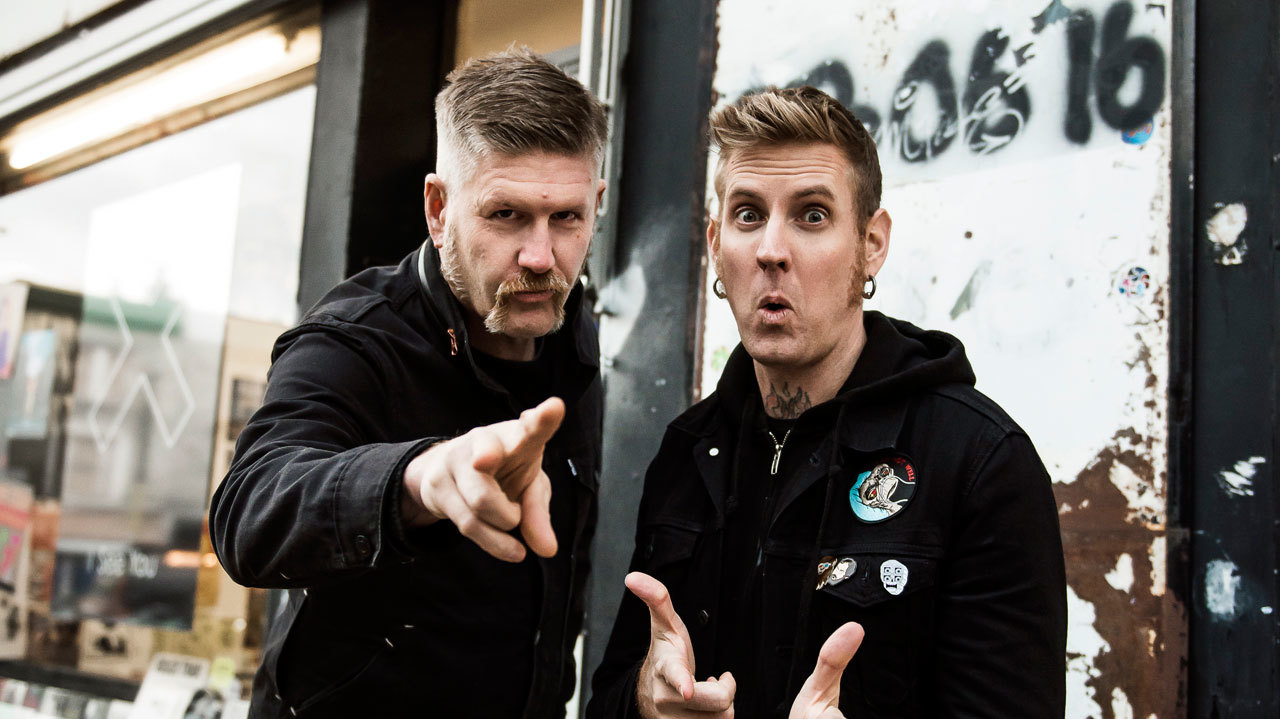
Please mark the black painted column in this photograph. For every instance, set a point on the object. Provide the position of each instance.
(648, 337)
(1234, 504)
(381, 64)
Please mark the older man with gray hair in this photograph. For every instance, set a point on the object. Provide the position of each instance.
(405, 478)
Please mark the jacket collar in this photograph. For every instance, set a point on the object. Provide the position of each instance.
(867, 415)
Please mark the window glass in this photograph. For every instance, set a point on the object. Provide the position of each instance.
(139, 297)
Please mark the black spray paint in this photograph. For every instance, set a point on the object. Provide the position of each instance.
(996, 105)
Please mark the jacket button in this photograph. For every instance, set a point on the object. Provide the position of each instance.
(361, 544)
(713, 451)
(703, 617)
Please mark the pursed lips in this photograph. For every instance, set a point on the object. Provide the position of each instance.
(774, 307)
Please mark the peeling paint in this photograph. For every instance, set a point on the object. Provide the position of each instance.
(1224, 230)
(1122, 576)
(1120, 706)
(1221, 581)
(1157, 556)
(1144, 502)
(1238, 481)
(1116, 563)
(1084, 644)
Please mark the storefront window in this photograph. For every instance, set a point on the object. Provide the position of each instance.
(139, 298)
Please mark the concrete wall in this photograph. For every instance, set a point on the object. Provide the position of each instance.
(1026, 155)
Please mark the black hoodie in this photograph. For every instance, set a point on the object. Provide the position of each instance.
(955, 570)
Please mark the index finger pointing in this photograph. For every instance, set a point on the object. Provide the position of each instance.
(542, 421)
(655, 596)
(834, 657)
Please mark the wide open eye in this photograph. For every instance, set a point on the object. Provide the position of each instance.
(814, 215)
(747, 216)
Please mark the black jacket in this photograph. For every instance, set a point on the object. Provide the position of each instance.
(961, 590)
(386, 622)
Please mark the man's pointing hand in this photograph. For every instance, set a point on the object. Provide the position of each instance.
(665, 686)
(488, 482)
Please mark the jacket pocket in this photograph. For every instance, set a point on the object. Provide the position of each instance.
(321, 657)
(891, 591)
(666, 553)
(867, 578)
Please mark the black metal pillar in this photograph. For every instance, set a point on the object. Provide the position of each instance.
(1234, 629)
(667, 81)
(381, 64)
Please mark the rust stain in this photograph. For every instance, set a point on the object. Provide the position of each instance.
(1145, 632)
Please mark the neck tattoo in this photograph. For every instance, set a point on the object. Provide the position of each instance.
(785, 403)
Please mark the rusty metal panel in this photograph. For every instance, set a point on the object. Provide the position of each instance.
(1026, 151)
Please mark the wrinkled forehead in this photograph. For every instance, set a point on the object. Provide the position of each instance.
(771, 168)
(776, 166)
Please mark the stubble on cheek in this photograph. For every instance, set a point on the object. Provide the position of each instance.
(858, 276)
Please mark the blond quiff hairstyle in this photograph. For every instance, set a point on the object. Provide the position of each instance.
(799, 115)
(513, 103)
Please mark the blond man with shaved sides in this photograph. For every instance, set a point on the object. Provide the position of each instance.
(422, 475)
(845, 527)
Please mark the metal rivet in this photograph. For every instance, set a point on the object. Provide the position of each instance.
(713, 451)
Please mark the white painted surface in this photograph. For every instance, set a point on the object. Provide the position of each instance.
(1120, 706)
(1224, 230)
(1121, 577)
(1084, 645)
(1157, 556)
(1221, 582)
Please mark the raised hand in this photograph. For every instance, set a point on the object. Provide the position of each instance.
(488, 482)
(819, 698)
(665, 687)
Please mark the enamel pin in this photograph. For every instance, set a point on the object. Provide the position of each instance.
(893, 575)
(832, 571)
(884, 490)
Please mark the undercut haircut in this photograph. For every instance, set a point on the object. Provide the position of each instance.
(799, 115)
(513, 103)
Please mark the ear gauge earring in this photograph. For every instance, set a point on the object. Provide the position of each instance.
(718, 288)
(868, 294)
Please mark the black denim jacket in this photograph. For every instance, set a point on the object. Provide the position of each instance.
(382, 621)
(961, 590)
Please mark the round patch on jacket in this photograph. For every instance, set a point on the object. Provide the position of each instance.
(884, 490)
